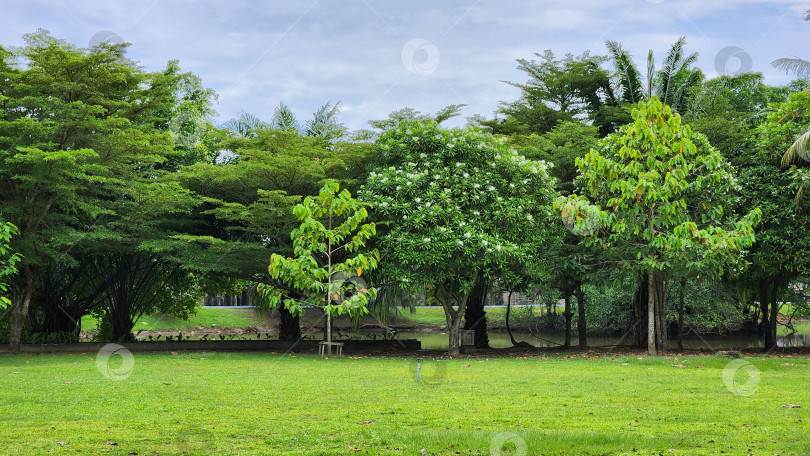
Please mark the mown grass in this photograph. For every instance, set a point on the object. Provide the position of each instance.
(203, 317)
(234, 404)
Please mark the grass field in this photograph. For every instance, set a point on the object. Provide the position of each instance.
(243, 318)
(229, 404)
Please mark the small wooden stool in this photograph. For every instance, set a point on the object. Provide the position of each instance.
(322, 348)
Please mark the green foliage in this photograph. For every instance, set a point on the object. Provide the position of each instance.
(560, 90)
(662, 196)
(331, 228)
(454, 202)
(8, 260)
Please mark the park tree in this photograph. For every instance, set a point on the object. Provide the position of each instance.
(453, 206)
(559, 90)
(329, 253)
(85, 140)
(575, 263)
(663, 200)
(246, 203)
(780, 255)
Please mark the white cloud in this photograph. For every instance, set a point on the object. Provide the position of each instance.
(256, 54)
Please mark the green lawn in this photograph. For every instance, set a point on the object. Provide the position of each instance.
(228, 404)
(205, 317)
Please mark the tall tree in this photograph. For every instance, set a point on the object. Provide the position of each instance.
(329, 252)
(644, 186)
(560, 90)
(453, 205)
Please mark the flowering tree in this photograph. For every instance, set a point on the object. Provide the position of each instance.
(455, 205)
(327, 246)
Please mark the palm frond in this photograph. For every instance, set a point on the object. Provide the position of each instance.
(630, 85)
(325, 122)
(245, 125)
(797, 150)
(284, 120)
(799, 67)
(676, 64)
(650, 73)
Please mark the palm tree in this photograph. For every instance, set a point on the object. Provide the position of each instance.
(325, 123)
(245, 125)
(669, 84)
(800, 68)
(284, 120)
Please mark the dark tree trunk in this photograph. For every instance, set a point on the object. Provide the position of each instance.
(567, 313)
(508, 310)
(764, 302)
(475, 317)
(641, 302)
(582, 324)
(651, 313)
(289, 326)
(774, 318)
(19, 307)
(680, 314)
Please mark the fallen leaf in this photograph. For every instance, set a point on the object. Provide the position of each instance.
(132, 452)
(791, 406)
(368, 422)
(679, 366)
(174, 353)
(61, 443)
(110, 443)
(466, 365)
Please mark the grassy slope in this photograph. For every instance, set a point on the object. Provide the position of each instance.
(230, 404)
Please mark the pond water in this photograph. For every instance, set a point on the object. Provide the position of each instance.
(439, 341)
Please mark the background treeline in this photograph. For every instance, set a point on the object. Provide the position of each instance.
(124, 198)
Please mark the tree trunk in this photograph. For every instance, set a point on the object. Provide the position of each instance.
(19, 308)
(680, 314)
(651, 314)
(641, 307)
(774, 318)
(475, 317)
(508, 309)
(289, 326)
(453, 316)
(582, 324)
(567, 314)
(764, 303)
(658, 299)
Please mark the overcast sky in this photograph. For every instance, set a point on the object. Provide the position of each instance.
(378, 56)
